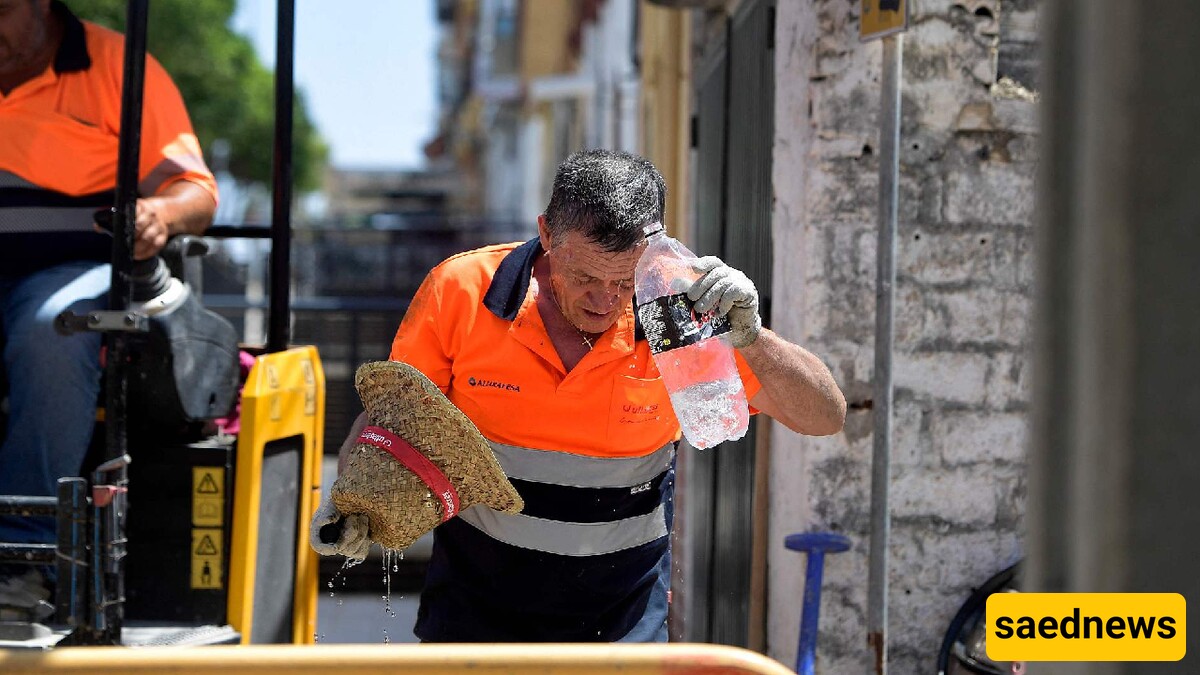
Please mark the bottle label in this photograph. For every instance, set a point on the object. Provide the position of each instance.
(671, 322)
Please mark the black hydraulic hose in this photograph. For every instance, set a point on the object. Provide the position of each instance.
(998, 581)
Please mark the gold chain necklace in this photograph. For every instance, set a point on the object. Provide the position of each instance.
(582, 335)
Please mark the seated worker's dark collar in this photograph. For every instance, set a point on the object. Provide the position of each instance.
(511, 282)
(72, 53)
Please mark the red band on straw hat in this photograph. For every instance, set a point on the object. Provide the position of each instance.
(419, 464)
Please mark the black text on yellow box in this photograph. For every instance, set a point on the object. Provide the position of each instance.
(1086, 627)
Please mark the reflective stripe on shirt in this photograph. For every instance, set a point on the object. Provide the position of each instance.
(561, 468)
(578, 476)
(562, 538)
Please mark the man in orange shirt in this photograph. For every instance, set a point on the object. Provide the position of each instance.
(60, 95)
(538, 345)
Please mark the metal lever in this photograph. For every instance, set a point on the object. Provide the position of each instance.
(69, 322)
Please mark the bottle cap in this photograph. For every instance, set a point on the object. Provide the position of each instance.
(652, 229)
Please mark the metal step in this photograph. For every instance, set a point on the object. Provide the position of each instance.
(177, 636)
(21, 635)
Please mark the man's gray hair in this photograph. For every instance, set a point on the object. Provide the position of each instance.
(608, 196)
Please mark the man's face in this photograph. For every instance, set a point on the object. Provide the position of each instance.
(592, 286)
(24, 32)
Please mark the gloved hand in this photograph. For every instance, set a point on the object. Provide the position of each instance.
(352, 541)
(732, 293)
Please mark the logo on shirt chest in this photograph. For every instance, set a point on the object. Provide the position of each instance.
(636, 409)
(494, 384)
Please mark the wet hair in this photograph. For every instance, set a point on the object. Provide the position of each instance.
(608, 196)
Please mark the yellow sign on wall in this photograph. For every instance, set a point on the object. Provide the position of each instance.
(882, 17)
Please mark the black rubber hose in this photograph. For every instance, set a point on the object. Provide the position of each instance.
(998, 581)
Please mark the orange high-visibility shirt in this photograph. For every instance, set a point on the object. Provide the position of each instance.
(58, 145)
(591, 452)
(506, 376)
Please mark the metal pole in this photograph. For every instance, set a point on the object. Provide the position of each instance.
(120, 293)
(885, 281)
(121, 285)
(72, 556)
(279, 325)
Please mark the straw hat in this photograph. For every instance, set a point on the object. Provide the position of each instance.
(404, 493)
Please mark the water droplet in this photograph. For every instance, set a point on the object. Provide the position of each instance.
(388, 558)
(339, 602)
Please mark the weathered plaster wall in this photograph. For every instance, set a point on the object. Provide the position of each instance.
(964, 296)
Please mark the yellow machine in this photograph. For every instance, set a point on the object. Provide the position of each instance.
(181, 531)
(283, 418)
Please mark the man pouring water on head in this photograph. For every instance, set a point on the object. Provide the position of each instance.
(540, 345)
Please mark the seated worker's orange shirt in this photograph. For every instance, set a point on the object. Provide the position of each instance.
(58, 148)
(591, 451)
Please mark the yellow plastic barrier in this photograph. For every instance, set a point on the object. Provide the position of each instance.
(284, 397)
(674, 659)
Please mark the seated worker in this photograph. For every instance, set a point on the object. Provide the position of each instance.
(536, 344)
(60, 109)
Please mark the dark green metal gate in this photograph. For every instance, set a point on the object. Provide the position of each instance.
(734, 137)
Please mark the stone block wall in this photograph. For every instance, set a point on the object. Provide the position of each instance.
(963, 305)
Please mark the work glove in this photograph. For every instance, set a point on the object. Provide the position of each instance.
(732, 294)
(349, 540)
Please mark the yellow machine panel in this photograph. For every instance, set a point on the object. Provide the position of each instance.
(283, 406)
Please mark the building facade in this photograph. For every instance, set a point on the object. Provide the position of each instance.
(964, 293)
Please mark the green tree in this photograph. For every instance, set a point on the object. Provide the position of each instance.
(228, 91)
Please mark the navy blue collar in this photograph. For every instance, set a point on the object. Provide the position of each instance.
(72, 53)
(511, 281)
(510, 284)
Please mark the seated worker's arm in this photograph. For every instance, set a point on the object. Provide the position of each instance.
(181, 192)
(797, 388)
(183, 207)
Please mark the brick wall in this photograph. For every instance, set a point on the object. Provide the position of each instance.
(963, 303)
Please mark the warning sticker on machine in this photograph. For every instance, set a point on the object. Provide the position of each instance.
(207, 544)
(208, 496)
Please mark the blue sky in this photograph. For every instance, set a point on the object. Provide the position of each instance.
(367, 69)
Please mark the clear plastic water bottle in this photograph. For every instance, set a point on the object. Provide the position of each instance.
(691, 349)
